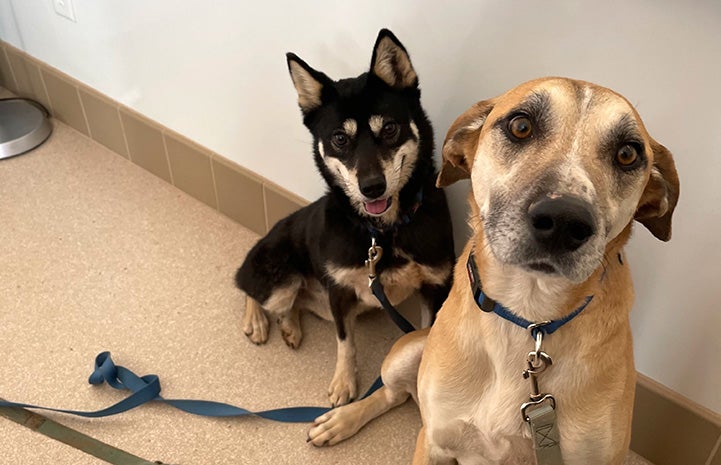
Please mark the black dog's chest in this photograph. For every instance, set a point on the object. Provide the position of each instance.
(400, 275)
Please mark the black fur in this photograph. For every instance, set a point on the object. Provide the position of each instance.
(331, 229)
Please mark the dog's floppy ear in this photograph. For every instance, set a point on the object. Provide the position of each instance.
(461, 143)
(391, 62)
(308, 82)
(660, 195)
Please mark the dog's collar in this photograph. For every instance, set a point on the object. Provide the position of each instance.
(403, 217)
(487, 304)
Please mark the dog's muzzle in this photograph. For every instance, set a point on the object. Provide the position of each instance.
(373, 188)
(560, 224)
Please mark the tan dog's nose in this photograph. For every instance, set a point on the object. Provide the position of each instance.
(561, 223)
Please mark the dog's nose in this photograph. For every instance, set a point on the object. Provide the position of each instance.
(372, 187)
(560, 223)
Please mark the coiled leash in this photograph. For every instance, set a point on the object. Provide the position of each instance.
(147, 388)
(540, 410)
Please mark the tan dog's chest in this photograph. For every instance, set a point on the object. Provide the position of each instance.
(478, 421)
(485, 427)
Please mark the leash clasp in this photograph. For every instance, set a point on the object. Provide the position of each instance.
(538, 361)
(375, 252)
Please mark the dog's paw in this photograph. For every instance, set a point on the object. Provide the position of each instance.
(342, 388)
(291, 332)
(255, 325)
(335, 426)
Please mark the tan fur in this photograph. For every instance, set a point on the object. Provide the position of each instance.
(469, 384)
(398, 283)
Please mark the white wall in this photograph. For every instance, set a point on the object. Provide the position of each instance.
(217, 74)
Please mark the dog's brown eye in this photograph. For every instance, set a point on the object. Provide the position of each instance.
(389, 130)
(626, 156)
(340, 139)
(520, 127)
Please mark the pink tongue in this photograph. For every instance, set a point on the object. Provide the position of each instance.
(377, 206)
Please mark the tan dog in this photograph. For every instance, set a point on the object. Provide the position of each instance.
(559, 170)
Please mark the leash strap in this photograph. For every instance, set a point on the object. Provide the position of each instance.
(545, 435)
(398, 319)
(147, 388)
(375, 252)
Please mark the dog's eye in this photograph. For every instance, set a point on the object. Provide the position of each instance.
(389, 130)
(520, 127)
(627, 156)
(340, 139)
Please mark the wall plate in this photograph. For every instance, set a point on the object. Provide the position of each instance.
(65, 8)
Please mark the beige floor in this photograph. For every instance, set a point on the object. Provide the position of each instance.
(97, 254)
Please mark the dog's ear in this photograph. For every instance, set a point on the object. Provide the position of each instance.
(461, 143)
(308, 82)
(391, 62)
(660, 196)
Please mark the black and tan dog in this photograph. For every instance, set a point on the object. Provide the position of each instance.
(373, 144)
(559, 170)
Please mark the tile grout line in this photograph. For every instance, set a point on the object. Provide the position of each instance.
(10, 66)
(50, 100)
(125, 136)
(211, 157)
(45, 86)
(85, 115)
(265, 206)
(167, 157)
(714, 450)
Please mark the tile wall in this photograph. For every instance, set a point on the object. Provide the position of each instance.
(240, 194)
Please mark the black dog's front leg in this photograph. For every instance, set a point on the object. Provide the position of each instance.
(343, 305)
(433, 297)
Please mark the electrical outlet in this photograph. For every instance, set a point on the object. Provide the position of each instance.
(65, 8)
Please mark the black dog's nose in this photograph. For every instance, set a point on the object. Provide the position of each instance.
(561, 224)
(372, 187)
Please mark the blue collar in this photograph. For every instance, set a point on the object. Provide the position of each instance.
(487, 304)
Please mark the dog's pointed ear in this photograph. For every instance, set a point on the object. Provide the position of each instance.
(308, 82)
(459, 148)
(660, 196)
(391, 62)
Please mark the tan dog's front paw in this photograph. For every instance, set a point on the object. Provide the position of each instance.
(255, 323)
(335, 426)
(343, 388)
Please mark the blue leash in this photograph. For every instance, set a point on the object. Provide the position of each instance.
(147, 388)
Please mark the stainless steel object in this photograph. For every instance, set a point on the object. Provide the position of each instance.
(24, 125)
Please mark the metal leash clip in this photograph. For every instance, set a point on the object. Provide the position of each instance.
(538, 361)
(375, 252)
(540, 411)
